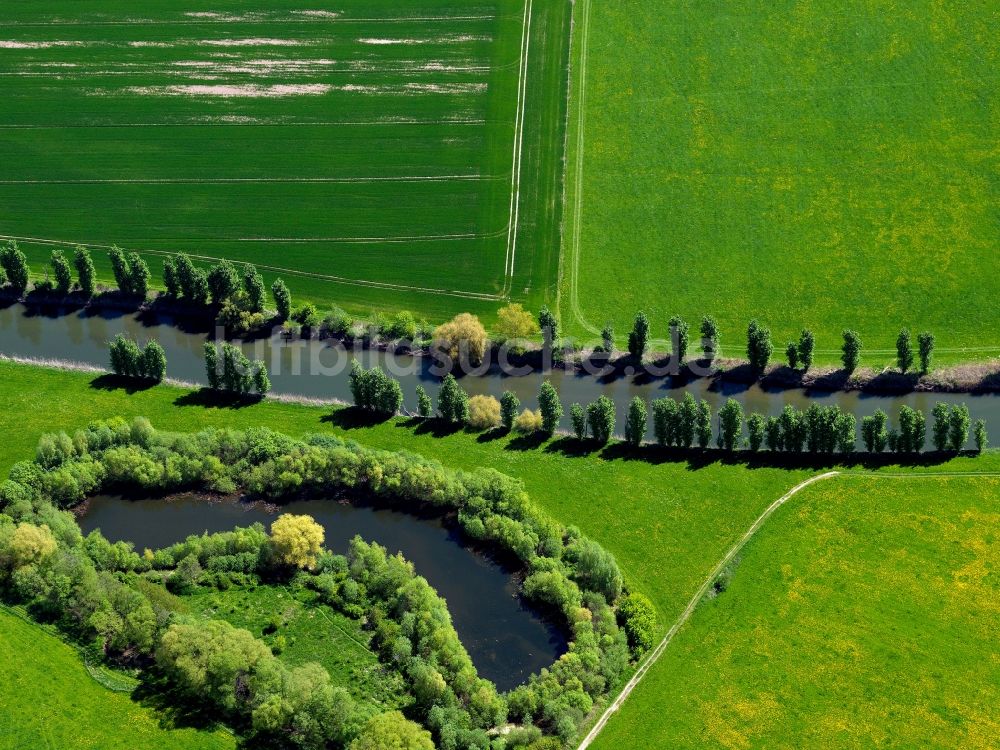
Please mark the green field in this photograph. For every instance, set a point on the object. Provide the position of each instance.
(377, 156)
(863, 615)
(310, 632)
(48, 701)
(805, 164)
(668, 524)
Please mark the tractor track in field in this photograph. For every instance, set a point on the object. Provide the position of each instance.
(738, 547)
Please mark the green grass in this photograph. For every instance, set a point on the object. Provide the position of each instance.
(667, 524)
(47, 700)
(863, 615)
(397, 168)
(794, 162)
(311, 632)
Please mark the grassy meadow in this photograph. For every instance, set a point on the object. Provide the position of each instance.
(806, 165)
(667, 523)
(368, 155)
(862, 615)
(48, 701)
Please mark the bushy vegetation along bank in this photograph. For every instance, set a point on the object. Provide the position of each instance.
(236, 298)
(564, 571)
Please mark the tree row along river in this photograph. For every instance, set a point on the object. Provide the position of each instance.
(319, 369)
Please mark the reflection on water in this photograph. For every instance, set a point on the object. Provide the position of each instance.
(319, 369)
(507, 639)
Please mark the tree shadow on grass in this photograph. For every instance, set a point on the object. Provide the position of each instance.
(493, 435)
(438, 428)
(353, 418)
(174, 709)
(209, 399)
(131, 386)
(529, 442)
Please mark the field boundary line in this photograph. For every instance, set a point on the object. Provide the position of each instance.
(574, 299)
(515, 181)
(257, 180)
(657, 652)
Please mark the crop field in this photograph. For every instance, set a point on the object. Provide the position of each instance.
(862, 615)
(377, 154)
(790, 161)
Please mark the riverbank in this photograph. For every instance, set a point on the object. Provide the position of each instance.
(972, 377)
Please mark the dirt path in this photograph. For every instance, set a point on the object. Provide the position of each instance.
(655, 654)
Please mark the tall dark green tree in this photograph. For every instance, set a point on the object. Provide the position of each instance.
(550, 406)
(578, 416)
(687, 422)
(874, 432)
(851, 351)
(608, 338)
(126, 357)
(510, 405)
(958, 427)
(138, 276)
(904, 351)
(253, 284)
(425, 407)
(792, 355)
(759, 347)
(942, 426)
(223, 281)
(638, 338)
(731, 425)
(912, 430)
(756, 426)
(982, 438)
(213, 371)
(793, 429)
(926, 343)
(601, 419)
(15, 266)
(85, 273)
(847, 432)
(772, 434)
(709, 338)
(666, 417)
(635, 422)
(549, 324)
(120, 268)
(703, 424)
(282, 299)
(154, 362)
(62, 273)
(453, 401)
(170, 278)
(680, 338)
(807, 346)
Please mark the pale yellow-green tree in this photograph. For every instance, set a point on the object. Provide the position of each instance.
(484, 413)
(297, 540)
(514, 322)
(462, 338)
(392, 731)
(30, 544)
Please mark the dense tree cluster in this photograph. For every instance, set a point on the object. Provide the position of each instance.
(374, 391)
(15, 267)
(41, 550)
(233, 372)
(131, 273)
(129, 361)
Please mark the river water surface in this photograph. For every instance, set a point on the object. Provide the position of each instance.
(319, 369)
